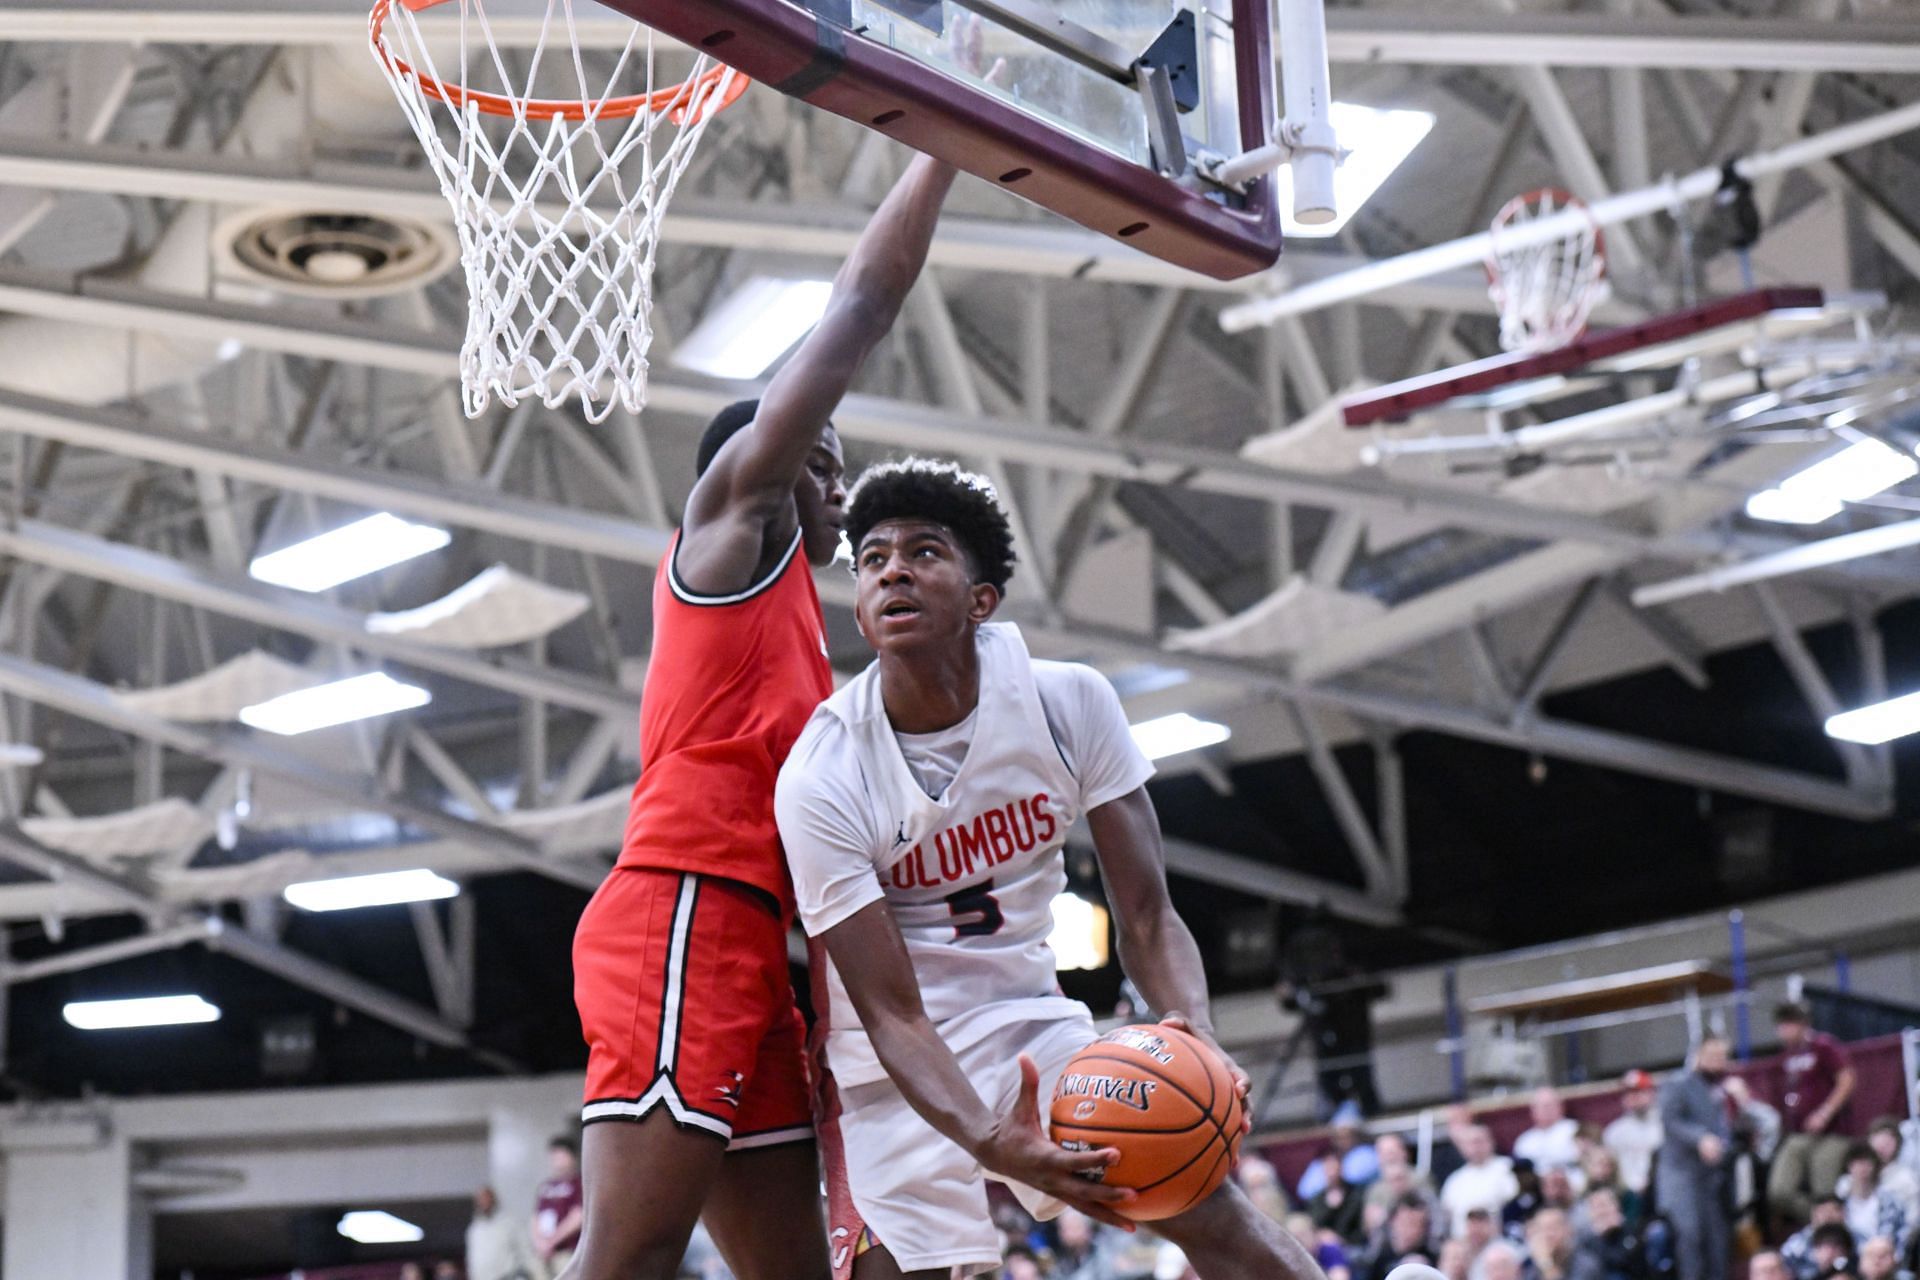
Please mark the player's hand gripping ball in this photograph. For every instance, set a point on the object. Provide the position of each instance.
(1166, 1102)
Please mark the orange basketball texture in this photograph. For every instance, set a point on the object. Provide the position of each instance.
(1166, 1102)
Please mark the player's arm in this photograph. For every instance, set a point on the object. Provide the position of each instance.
(1157, 950)
(873, 962)
(752, 478)
(571, 1223)
(1844, 1081)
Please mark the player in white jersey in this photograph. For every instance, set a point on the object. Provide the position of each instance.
(924, 810)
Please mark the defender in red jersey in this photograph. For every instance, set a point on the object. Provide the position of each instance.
(680, 961)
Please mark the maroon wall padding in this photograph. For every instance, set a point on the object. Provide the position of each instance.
(1402, 400)
(783, 46)
(1880, 1091)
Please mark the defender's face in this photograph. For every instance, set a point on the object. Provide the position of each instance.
(819, 496)
(915, 588)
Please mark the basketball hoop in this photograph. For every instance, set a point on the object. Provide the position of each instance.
(1546, 281)
(558, 201)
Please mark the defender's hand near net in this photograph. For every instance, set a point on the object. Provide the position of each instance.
(1020, 1149)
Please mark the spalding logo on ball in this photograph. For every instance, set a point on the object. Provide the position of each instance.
(1166, 1102)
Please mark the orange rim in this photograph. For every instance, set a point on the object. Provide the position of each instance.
(681, 101)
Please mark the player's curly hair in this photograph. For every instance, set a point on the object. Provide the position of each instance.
(922, 489)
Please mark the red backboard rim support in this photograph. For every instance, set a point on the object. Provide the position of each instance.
(1402, 400)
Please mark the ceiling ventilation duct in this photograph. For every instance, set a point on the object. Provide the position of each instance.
(331, 254)
(96, 364)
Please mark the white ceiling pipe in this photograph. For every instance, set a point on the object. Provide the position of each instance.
(1802, 559)
(1698, 185)
(1612, 417)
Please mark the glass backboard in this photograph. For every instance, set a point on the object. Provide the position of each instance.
(1076, 122)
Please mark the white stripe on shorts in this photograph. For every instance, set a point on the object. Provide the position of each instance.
(676, 973)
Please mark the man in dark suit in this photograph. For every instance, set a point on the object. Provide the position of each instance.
(1694, 1190)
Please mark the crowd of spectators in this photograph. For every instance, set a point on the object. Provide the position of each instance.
(1690, 1180)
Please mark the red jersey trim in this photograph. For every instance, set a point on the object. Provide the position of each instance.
(687, 595)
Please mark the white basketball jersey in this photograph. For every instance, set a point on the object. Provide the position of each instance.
(970, 875)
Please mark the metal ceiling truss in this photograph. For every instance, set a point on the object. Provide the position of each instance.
(1060, 481)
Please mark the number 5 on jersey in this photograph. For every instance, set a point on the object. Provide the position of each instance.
(975, 911)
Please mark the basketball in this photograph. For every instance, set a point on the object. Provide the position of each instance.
(1166, 1102)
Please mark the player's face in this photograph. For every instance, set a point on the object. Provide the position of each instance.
(915, 589)
(819, 495)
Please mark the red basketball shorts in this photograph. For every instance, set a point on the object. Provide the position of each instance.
(686, 1004)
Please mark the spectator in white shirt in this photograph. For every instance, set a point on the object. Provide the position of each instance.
(1635, 1136)
(1485, 1181)
(1872, 1209)
(1551, 1143)
(495, 1248)
(1896, 1173)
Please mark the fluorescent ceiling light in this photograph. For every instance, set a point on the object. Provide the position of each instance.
(1821, 491)
(343, 893)
(1170, 735)
(351, 551)
(1881, 722)
(1377, 143)
(377, 1226)
(343, 701)
(750, 330)
(22, 754)
(1782, 507)
(1079, 937)
(148, 1011)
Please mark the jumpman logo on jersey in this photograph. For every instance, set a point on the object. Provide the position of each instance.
(729, 1092)
(902, 837)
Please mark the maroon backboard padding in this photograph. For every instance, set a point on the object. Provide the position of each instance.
(1402, 400)
(775, 41)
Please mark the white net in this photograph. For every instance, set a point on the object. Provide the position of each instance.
(558, 187)
(1546, 280)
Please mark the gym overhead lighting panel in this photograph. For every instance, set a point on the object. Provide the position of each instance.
(1375, 143)
(352, 551)
(750, 330)
(1171, 735)
(1079, 937)
(1881, 722)
(342, 702)
(1822, 491)
(382, 889)
(377, 1226)
(146, 1011)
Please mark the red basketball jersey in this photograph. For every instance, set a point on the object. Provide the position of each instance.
(732, 681)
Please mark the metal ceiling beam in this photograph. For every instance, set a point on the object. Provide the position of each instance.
(204, 927)
(61, 868)
(1278, 884)
(1558, 738)
(1353, 36)
(73, 961)
(472, 506)
(87, 700)
(1382, 883)
(352, 991)
(1811, 681)
(1609, 40)
(71, 551)
(872, 418)
(1034, 249)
